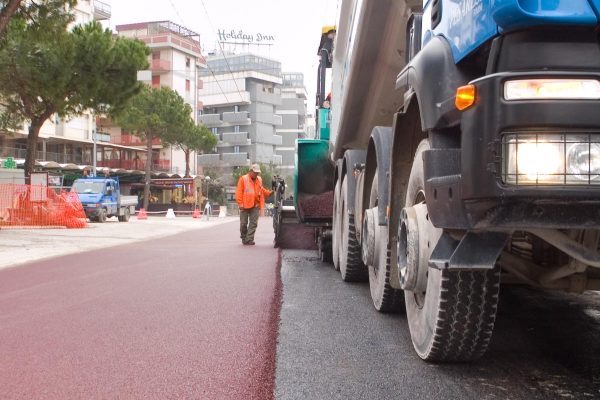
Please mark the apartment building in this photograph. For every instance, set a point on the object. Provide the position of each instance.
(241, 94)
(293, 116)
(176, 62)
(68, 144)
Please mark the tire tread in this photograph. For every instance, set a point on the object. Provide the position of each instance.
(467, 312)
(355, 269)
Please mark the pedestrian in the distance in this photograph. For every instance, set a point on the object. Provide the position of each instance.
(250, 197)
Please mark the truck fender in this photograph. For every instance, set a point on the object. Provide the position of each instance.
(350, 160)
(407, 136)
(434, 77)
(379, 154)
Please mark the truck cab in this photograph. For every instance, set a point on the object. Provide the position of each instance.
(101, 198)
(466, 142)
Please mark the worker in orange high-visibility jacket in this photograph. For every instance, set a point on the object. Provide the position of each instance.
(250, 196)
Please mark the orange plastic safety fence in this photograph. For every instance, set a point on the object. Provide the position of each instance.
(40, 207)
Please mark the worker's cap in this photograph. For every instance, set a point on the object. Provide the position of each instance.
(255, 168)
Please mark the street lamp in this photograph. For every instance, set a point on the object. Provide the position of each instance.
(207, 207)
(207, 179)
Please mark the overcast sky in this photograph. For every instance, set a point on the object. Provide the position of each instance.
(294, 24)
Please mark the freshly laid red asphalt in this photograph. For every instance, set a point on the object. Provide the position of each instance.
(191, 316)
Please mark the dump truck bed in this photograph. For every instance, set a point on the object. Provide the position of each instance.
(365, 67)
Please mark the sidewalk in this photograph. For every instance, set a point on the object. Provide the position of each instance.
(19, 246)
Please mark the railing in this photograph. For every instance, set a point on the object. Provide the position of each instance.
(223, 160)
(157, 165)
(210, 119)
(277, 160)
(236, 138)
(132, 140)
(160, 66)
(102, 10)
(209, 160)
(59, 158)
(277, 140)
(12, 152)
(237, 118)
(235, 159)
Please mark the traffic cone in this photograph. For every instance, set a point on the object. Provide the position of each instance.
(170, 213)
(142, 214)
(196, 213)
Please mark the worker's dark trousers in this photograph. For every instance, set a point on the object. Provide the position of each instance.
(248, 223)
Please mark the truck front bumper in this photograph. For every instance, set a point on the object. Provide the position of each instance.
(474, 188)
(91, 211)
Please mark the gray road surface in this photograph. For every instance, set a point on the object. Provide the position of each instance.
(333, 345)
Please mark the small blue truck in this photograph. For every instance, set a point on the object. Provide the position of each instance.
(101, 198)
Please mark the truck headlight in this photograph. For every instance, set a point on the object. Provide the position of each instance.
(583, 162)
(552, 89)
(551, 159)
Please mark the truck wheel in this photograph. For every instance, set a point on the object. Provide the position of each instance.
(102, 215)
(453, 319)
(351, 265)
(337, 227)
(125, 216)
(385, 298)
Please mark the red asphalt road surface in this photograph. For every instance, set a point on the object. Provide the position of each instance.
(190, 316)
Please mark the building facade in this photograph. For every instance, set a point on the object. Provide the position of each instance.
(70, 142)
(241, 94)
(293, 116)
(176, 62)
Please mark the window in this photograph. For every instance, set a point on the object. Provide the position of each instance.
(214, 130)
(188, 85)
(156, 55)
(236, 149)
(236, 128)
(188, 62)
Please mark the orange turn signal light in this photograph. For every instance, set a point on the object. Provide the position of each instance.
(465, 97)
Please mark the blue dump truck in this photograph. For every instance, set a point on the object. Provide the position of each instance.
(464, 152)
(101, 198)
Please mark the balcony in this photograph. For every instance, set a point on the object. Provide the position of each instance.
(225, 99)
(277, 160)
(209, 160)
(236, 118)
(265, 97)
(159, 66)
(140, 165)
(277, 120)
(235, 159)
(236, 138)
(59, 158)
(102, 11)
(223, 160)
(277, 140)
(132, 140)
(210, 119)
(103, 137)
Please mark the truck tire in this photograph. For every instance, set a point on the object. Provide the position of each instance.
(352, 268)
(454, 318)
(125, 216)
(385, 298)
(336, 240)
(102, 215)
